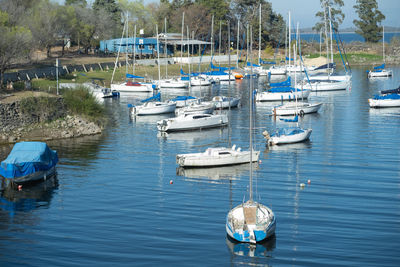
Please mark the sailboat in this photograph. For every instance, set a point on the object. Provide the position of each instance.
(131, 84)
(289, 135)
(380, 71)
(387, 99)
(250, 222)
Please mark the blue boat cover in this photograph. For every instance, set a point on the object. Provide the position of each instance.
(295, 119)
(266, 62)
(156, 97)
(254, 65)
(288, 131)
(191, 74)
(288, 82)
(326, 66)
(27, 158)
(388, 96)
(281, 90)
(215, 73)
(380, 67)
(287, 58)
(391, 91)
(133, 76)
(183, 98)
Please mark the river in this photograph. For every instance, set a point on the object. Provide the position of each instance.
(119, 199)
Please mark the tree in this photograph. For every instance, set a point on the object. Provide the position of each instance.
(110, 6)
(370, 17)
(81, 3)
(15, 43)
(336, 13)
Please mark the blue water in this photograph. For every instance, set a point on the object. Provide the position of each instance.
(348, 37)
(112, 203)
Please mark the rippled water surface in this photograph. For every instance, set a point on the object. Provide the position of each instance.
(112, 203)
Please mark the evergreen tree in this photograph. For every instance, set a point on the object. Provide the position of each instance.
(370, 17)
(110, 6)
(337, 14)
(81, 3)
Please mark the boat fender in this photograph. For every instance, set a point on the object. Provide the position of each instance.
(266, 134)
(301, 113)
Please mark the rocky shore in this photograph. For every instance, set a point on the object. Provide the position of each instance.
(19, 122)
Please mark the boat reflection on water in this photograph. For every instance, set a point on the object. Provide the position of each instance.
(149, 119)
(260, 250)
(26, 199)
(395, 111)
(288, 147)
(215, 174)
(194, 135)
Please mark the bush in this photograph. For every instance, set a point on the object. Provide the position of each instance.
(41, 108)
(80, 101)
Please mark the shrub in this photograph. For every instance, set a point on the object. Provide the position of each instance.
(80, 101)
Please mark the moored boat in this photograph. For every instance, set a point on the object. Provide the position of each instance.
(192, 122)
(29, 162)
(287, 136)
(291, 108)
(225, 102)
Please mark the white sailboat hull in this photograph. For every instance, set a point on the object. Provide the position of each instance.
(202, 108)
(330, 85)
(383, 103)
(219, 156)
(250, 222)
(200, 81)
(133, 87)
(293, 109)
(225, 102)
(154, 108)
(282, 96)
(173, 83)
(191, 122)
(377, 74)
(277, 70)
(290, 139)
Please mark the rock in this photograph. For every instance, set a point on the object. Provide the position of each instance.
(12, 139)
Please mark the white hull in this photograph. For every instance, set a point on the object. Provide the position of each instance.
(191, 122)
(225, 102)
(250, 222)
(134, 87)
(202, 108)
(154, 108)
(257, 70)
(277, 70)
(383, 103)
(330, 77)
(285, 96)
(173, 83)
(330, 85)
(377, 74)
(219, 78)
(186, 102)
(290, 139)
(216, 157)
(200, 81)
(296, 109)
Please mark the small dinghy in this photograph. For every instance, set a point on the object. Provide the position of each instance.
(218, 156)
(29, 162)
(192, 122)
(225, 102)
(287, 136)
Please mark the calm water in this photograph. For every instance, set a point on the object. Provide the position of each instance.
(349, 37)
(112, 203)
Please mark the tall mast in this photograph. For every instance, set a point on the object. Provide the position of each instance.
(188, 39)
(290, 39)
(119, 50)
(259, 39)
(326, 34)
(183, 21)
(383, 43)
(165, 48)
(212, 37)
(286, 38)
(158, 57)
(330, 27)
(320, 43)
(127, 42)
(237, 46)
(219, 45)
(134, 51)
(251, 120)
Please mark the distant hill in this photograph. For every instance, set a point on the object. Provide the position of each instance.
(351, 30)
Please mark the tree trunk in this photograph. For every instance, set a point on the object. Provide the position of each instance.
(1, 79)
(48, 51)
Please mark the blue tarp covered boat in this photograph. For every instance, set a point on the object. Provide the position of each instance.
(29, 162)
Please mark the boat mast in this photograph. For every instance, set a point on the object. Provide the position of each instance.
(326, 35)
(259, 38)
(165, 48)
(251, 121)
(237, 46)
(134, 51)
(212, 37)
(158, 57)
(219, 45)
(290, 39)
(320, 42)
(383, 43)
(127, 37)
(119, 50)
(183, 21)
(188, 39)
(330, 28)
(229, 80)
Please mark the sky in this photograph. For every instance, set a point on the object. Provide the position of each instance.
(303, 11)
